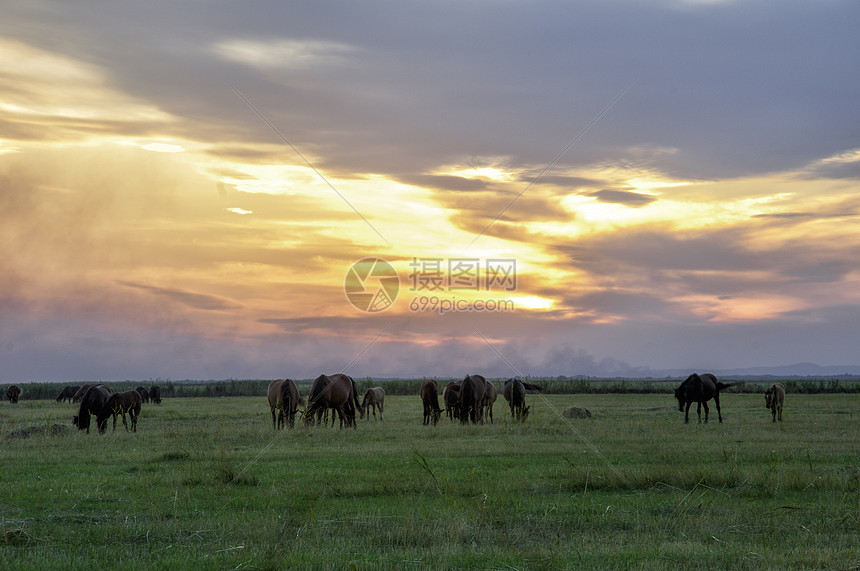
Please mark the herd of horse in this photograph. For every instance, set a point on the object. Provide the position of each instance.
(469, 400)
(102, 402)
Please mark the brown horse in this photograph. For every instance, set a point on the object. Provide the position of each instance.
(155, 394)
(67, 394)
(144, 394)
(472, 393)
(373, 398)
(12, 393)
(774, 397)
(515, 393)
(700, 389)
(284, 397)
(336, 392)
(429, 393)
(490, 399)
(451, 398)
(92, 403)
(120, 403)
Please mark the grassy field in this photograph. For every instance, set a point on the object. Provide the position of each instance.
(206, 483)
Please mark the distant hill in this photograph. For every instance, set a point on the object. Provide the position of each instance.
(782, 371)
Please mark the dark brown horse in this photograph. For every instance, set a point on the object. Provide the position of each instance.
(12, 393)
(284, 397)
(155, 394)
(373, 398)
(144, 394)
(515, 393)
(451, 399)
(120, 403)
(92, 403)
(81, 392)
(472, 393)
(67, 394)
(700, 389)
(336, 392)
(429, 393)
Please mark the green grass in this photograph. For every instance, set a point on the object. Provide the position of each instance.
(206, 483)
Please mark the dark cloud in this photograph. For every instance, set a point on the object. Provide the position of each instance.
(632, 199)
(191, 299)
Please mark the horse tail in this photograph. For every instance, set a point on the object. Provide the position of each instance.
(721, 385)
(358, 406)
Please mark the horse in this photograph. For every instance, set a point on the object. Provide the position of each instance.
(335, 392)
(120, 403)
(92, 403)
(451, 399)
(155, 394)
(472, 393)
(774, 397)
(700, 389)
(12, 393)
(81, 392)
(514, 392)
(490, 399)
(429, 393)
(373, 398)
(67, 394)
(284, 397)
(144, 394)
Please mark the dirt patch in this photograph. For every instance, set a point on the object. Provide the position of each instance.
(576, 412)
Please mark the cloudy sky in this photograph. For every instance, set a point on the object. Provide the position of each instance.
(185, 186)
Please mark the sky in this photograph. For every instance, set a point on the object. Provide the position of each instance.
(603, 188)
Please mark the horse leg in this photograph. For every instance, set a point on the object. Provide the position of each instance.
(707, 411)
(719, 412)
(273, 418)
(687, 413)
(124, 423)
(380, 410)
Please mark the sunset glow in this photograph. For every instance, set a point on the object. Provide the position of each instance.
(157, 224)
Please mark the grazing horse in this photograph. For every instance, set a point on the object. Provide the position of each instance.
(335, 392)
(429, 393)
(155, 394)
(12, 393)
(92, 403)
(472, 393)
(120, 403)
(774, 397)
(451, 398)
(490, 399)
(284, 397)
(515, 393)
(67, 394)
(700, 389)
(81, 392)
(144, 394)
(373, 398)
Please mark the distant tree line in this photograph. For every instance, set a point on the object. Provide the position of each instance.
(555, 385)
